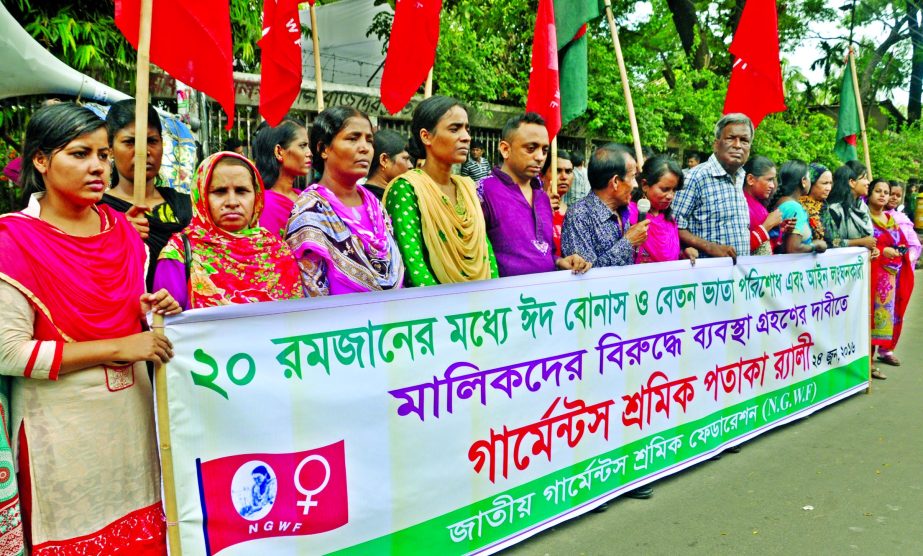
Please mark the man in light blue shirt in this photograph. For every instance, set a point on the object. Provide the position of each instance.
(710, 210)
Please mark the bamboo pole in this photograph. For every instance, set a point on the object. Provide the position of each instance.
(142, 99)
(635, 135)
(318, 72)
(868, 270)
(868, 166)
(139, 193)
(554, 165)
(855, 86)
(166, 452)
(428, 87)
(427, 92)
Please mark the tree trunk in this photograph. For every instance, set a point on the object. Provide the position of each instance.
(866, 79)
(668, 74)
(686, 20)
(868, 84)
(914, 8)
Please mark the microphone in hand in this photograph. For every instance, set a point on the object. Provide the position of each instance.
(643, 207)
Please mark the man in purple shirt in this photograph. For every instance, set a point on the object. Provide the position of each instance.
(516, 207)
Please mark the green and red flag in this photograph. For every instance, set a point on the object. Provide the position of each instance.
(756, 78)
(544, 87)
(571, 18)
(847, 126)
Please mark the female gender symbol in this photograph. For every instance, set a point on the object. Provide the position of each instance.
(308, 503)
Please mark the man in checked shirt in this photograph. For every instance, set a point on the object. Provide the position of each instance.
(710, 210)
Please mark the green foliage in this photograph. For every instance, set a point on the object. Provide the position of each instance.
(477, 62)
(797, 134)
(85, 40)
(897, 155)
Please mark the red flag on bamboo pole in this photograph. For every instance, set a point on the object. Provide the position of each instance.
(544, 86)
(189, 40)
(411, 51)
(280, 80)
(756, 79)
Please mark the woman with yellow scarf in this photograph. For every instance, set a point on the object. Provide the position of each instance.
(438, 223)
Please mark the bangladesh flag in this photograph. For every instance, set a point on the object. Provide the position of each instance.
(571, 18)
(848, 121)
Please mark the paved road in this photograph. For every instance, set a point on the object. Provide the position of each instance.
(846, 480)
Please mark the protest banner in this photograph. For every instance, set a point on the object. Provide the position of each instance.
(464, 418)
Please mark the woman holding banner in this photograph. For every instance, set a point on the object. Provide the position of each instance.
(73, 345)
(848, 213)
(282, 156)
(759, 185)
(815, 204)
(437, 216)
(166, 211)
(224, 257)
(659, 181)
(892, 277)
(793, 182)
(339, 231)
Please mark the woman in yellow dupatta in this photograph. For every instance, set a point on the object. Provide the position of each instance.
(438, 223)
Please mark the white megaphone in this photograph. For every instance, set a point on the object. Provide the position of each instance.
(29, 69)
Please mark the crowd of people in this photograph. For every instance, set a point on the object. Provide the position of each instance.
(343, 208)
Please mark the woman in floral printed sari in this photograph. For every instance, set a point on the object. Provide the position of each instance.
(885, 353)
(815, 204)
(224, 257)
(892, 274)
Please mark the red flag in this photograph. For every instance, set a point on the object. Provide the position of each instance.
(189, 40)
(411, 51)
(255, 496)
(544, 87)
(280, 82)
(756, 80)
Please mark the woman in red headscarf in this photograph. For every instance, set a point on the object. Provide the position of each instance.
(224, 256)
(73, 346)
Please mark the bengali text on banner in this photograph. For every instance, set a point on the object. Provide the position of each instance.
(465, 418)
